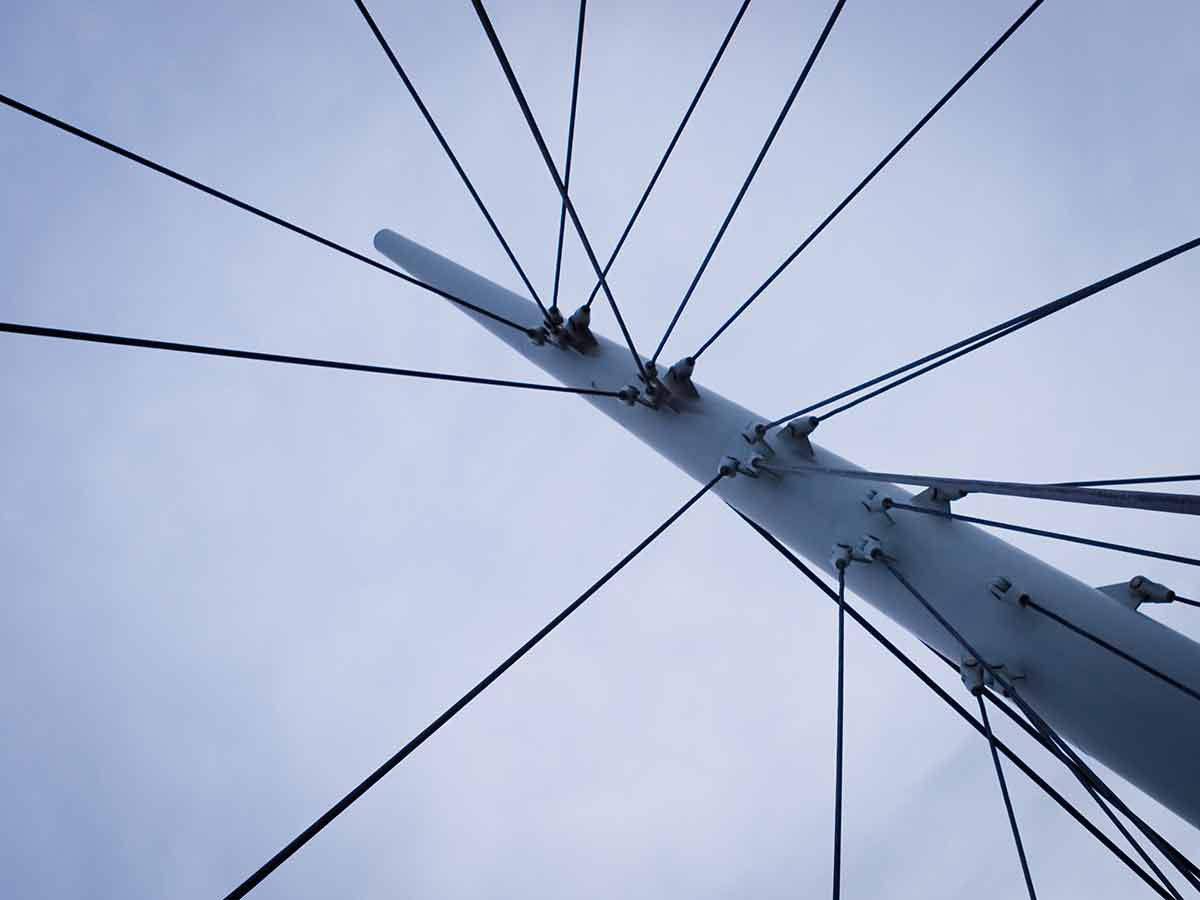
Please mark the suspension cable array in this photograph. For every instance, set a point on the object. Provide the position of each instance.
(1087, 778)
(925, 679)
(879, 167)
(254, 210)
(985, 337)
(562, 214)
(437, 132)
(519, 94)
(1010, 691)
(890, 504)
(1076, 492)
(662, 163)
(1012, 818)
(203, 350)
(758, 161)
(1184, 504)
(454, 709)
(1111, 648)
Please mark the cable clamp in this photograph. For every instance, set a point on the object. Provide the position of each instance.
(631, 395)
(843, 555)
(976, 676)
(877, 502)
(755, 434)
(1003, 589)
(869, 548)
(729, 467)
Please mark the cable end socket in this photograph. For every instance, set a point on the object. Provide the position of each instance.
(1003, 589)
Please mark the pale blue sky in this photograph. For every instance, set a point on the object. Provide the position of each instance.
(232, 589)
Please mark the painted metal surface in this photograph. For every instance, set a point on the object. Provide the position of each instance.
(1137, 725)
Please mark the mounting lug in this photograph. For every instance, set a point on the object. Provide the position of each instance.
(578, 329)
(1138, 590)
(679, 376)
(797, 432)
(938, 497)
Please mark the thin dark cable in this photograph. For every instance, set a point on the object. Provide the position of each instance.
(871, 175)
(841, 693)
(883, 389)
(1100, 642)
(1085, 777)
(1012, 818)
(1089, 780)
(371, 780)
(437, 132)
(1114, 481)
(1179, 599)
(1075, 539)
(562, 215)
(1184, 504)
(119, 341)
(509, 74)
(671, 146)
(758, 161)
(1020, 701)
(254, 210)
(1008, 326)
(1082, 772)
(966, 716)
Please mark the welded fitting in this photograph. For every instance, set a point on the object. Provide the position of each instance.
(1148, 591)
(679, 377)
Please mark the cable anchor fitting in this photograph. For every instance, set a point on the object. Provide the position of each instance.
(868, 549)
(578, 332)
(679, 377)
(1138, 590)
(877, 502)
(1003, 589)
(976, 676)
(797, 432)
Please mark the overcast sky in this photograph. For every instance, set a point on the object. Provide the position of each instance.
(230, 589)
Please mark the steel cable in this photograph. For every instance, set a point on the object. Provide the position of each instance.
(924, 120)
(400, 755)
(437, 132)
(250, 208)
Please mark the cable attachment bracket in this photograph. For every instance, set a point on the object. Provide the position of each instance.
(679, 377)
(866, 550)
(938, 497)
(976, 676)
(1138, 590)
(878, 502)
(797, 432)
